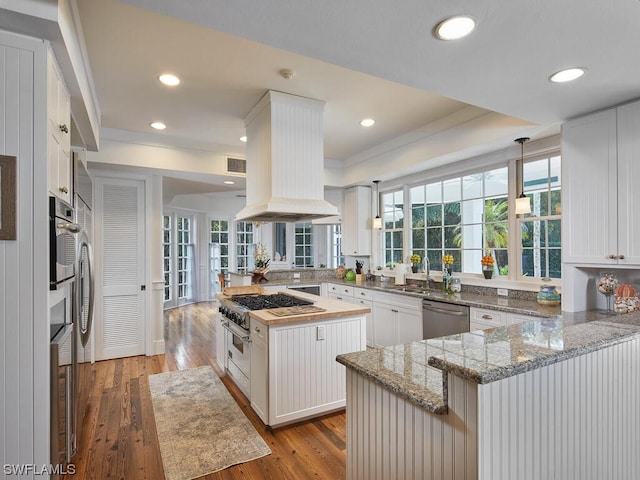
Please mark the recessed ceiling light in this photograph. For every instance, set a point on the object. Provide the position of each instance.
(229, 182)
(567, 75)
(367, 122)
(158, 125)
(243, 138)
(453, 28)
(169, 79)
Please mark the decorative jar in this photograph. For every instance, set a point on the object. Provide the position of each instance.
(548, 295)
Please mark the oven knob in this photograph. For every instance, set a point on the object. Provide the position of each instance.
(220, 309)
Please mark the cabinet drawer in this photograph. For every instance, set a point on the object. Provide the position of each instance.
(398, 300)
(333, 288)
(492, 318)
(258, 331)
(362, 293)
(346, 290)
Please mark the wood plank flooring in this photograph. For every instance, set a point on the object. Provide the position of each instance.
(119, 439)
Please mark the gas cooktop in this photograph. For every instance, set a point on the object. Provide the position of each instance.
(262, 302)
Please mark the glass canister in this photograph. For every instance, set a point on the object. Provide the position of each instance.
(455, 285)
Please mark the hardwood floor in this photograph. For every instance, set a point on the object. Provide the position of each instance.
(119, 433)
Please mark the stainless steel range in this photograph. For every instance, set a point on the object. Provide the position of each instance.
(235, 310)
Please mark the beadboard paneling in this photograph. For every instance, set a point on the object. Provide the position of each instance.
(24, 313)
(304, 376)
(391, 438)
(574, 420)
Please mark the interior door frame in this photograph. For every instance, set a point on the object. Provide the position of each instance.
(149, 185)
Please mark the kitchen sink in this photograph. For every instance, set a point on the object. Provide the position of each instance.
(421, 290)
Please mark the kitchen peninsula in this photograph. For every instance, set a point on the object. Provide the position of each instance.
(538, 400)
(283, 358)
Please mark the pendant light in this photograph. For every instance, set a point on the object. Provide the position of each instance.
(523, 204)
(377, 222)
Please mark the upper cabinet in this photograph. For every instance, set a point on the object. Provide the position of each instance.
(598, 175)
(58, 133)
(356, 221)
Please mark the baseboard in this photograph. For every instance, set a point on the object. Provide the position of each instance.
(158, 347)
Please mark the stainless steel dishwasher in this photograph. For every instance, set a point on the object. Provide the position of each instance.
(440, 319)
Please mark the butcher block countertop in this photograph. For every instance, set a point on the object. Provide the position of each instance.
(328, 309)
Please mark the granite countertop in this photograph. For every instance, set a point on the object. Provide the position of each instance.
(493, 302)
(490, 355)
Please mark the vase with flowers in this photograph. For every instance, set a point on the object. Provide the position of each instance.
(447, 263)
(261, 260)
(415, 261)
(487, 265)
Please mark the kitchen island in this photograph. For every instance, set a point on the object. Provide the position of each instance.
(293, 374)
(537, 400)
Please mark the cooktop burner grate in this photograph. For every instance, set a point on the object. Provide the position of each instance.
(262, 302)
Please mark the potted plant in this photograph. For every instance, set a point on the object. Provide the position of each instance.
(487, 266)
(415, 261)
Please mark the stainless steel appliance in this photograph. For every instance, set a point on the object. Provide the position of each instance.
(62, 243)
(440, 319)
(62, 433)
(235, 310)
(313, 289)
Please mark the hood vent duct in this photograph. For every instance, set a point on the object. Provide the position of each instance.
(285, 160)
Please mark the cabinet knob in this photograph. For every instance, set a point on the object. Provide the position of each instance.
(257, 329)
(394, 310)
(63, 189)
(362, 293)
(612, 257)
(487, 317)
(620, 257)
(63, 128)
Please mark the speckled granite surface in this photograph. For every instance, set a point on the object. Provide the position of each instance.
(522, 306)
(404, 370)
(489, 355)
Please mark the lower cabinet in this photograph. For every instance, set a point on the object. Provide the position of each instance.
(357, 296)
(294, 373)
(259, 370)
(397, 319)
(483, 318)
(221, 347)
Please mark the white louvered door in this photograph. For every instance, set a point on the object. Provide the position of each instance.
(119, 240)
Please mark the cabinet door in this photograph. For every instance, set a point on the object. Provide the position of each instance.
(356, 231)
(221, 347)
(628, 191)
(259, 371)
(409, 326)
(589, 189)
(385, 325)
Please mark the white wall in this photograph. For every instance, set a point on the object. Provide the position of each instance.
(24, 314)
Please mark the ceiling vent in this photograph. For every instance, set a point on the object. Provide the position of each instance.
(236, 165)
(286, 160)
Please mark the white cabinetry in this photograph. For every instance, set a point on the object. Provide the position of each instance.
(59, 133)
(356, 296)
(259, 370)
(221, 346)
(483, 318)
(294, 374)
(356, 228)
(600, 168)
(397, 319)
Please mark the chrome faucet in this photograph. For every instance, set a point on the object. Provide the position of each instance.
(427, 269)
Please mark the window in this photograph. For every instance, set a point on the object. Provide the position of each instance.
(220, 236)
(336, 258)
(185, 257)
(279, 241)
(540, 230)
(303, 238)
(244, 246)
(166, 249)
(466, 217)
(392, 226)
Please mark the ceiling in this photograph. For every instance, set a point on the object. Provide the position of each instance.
(364, 58)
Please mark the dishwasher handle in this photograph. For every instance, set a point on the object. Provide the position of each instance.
(428, 306)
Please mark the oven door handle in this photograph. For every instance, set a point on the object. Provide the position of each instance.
(244, 336)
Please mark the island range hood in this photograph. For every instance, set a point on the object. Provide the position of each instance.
(285, 160)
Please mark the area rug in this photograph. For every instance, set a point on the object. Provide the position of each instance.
(201, 429)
